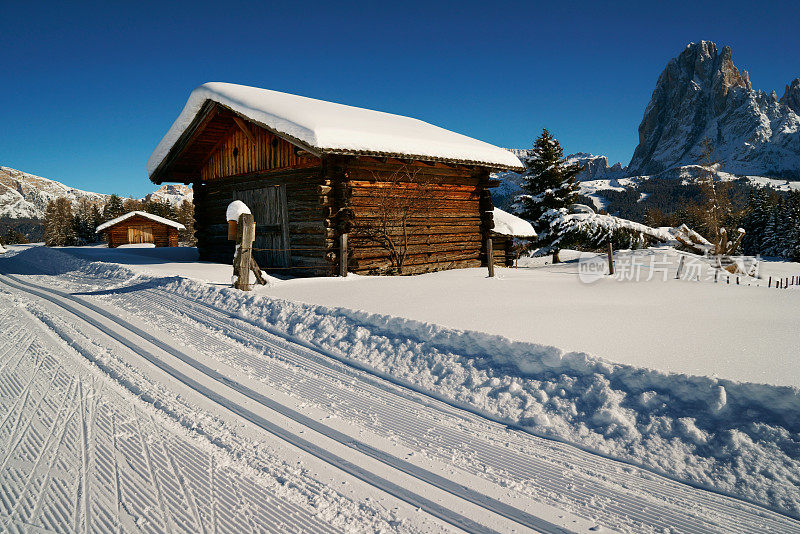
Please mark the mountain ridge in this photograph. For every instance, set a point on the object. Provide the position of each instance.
(25, 196)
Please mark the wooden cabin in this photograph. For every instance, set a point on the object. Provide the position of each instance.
(139, 227)
(508, 235)
(404, 191)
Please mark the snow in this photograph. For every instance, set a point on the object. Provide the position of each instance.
(597, 224)
(2, 249)
(328, 127)
(236, 209)
(112, 449)
(507, 224)
(144, 214)
(175, 194)
(723, 431)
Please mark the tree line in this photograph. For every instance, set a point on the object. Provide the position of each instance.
(704, 202)
(68, 224)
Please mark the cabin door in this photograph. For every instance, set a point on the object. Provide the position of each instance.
(268, 205)
(140, 234)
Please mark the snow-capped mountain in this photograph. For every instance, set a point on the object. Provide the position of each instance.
(175, 194)
(701, 94)
(25, 196)
(594, 167)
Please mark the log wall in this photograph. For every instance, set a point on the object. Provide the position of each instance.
(163, 235)
(449, 230)
(503, 250)
(310, 242)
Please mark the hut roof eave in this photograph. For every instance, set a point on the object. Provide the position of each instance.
(330, 128)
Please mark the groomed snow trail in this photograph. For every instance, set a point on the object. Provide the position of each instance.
(77, 456)
(129, 339)
(365, 406)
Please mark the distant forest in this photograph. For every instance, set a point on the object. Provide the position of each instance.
(74, 224)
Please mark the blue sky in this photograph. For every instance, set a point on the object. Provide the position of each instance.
(88, 89)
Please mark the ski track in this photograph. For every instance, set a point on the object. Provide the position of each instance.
(76, 456)
(617, 495)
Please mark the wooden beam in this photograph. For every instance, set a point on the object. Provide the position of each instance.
(201, 120)
(245, 128)
(218, 144)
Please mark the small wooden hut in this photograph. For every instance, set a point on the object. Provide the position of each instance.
(508, 235)
(139, 227)
(412, 197)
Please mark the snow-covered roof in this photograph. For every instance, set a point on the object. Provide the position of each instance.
(327, 127)
(144, 214)
(511, 225)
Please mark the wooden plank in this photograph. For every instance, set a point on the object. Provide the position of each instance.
(244, 128)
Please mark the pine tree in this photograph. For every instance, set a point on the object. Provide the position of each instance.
(792, 219)
(51, 230)
(131, 204)
(185, 216)
(97, 219)
(755, 221)
(162, 208)
(549, 183)
(113, 208)
(82, 222)
(59, 223)
(771, 244)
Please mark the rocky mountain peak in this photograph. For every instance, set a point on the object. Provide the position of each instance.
(791, 97)
(701, 94)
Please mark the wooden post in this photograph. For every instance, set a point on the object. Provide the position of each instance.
(680, 268)
(343, 255)
(769, 284)
(610, 258)
(716, 275)
(490, 256)
(245, 235)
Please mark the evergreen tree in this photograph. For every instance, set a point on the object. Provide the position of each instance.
(549, 183)
(162, 208)
(131, 204)
(97, 219)
(185, 216)
(757, 215)
(771, 244)
(113, 208)
(792, 218)
(82, 222)
(59, 228)
(14, 237)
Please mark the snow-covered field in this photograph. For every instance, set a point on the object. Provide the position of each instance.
(746, 333)
(335, 411)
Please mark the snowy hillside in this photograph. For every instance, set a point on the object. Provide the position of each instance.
(25, 196)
